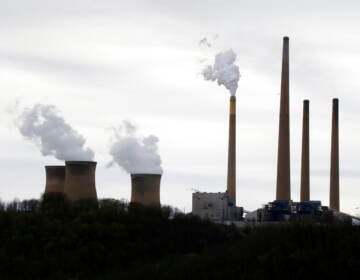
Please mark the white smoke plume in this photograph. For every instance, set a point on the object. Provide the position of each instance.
(208, 42)
(43, 125)
(135, 154)
(205, 42)
(224, 71)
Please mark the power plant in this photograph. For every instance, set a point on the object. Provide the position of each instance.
(283, 208)
(77, 178)
(145, 189)
(222, 206)
(80, 180)
(55, 179)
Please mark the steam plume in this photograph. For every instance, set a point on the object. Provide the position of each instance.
(208, 42)
(224, 71)
(42, 125)
(205, 42)
(135, 154)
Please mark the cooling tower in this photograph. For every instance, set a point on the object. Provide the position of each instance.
(283, 167)
(231, 175)
(80, 180)
(145, 189)
(55, 179)
(305, 166)
(334, 168)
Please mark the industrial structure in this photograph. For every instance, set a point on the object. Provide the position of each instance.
(55, 179)
(231, 171)
(305, 156)
(283, 164)
(215, 206)
(222, 206)
(77, 178)
(145, 189)
(284, 211)
(283, 208)
(334, 168)
(80, 180)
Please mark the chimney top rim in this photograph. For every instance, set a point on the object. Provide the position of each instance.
(145, 174)
(80, 162)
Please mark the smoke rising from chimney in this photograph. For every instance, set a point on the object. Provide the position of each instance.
(224, 71)
(205, 42)
(43, 125)
(135, 154)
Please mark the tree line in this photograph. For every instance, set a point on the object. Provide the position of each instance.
(51, 238)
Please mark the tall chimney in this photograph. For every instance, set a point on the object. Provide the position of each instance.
(334, 169)
(305, 172)
(231, 175)
(80, 180)
(55, 179)
(145, 189)
(283, 167)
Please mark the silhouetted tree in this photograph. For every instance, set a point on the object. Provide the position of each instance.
(111, 239)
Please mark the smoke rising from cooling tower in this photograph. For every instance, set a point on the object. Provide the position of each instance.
(43, 125)
(135, 154)
(224, 71)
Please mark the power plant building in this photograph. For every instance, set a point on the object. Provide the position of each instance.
(215, 206)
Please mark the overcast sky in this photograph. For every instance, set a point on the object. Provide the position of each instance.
(100, 62)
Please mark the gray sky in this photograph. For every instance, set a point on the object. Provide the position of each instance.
(101, 62)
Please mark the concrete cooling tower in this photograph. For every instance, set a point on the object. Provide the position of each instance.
(80, 180)
(145, 189)
(55, 179)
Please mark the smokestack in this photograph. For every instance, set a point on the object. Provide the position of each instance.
(231, 175)
(145, 189)
(283, 167)
(55, 179)
(305, 167)
(334, 169)
(80, 180)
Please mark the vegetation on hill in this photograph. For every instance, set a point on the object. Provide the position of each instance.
(53, 239)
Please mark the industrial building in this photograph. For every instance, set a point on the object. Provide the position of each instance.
(216, 207)
(287, 210)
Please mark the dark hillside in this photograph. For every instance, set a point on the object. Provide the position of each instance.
(53, 239)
